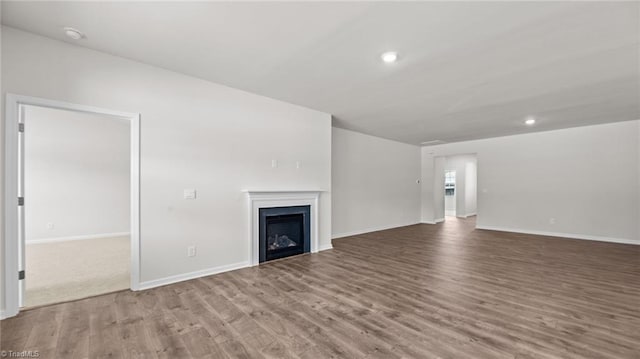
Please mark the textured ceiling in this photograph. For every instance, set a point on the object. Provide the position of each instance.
(467, 70)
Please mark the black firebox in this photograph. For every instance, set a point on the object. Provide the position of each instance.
(284, 232)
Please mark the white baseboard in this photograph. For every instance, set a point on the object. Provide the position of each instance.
(372, 229)
(203, 273)
(324, 247)
(470, 214)
(192, 275)
(2, 314)
(77, 238)
(562, 235)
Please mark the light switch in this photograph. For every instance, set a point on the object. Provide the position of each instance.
(189, 194)
(274, 163)
(191, 251)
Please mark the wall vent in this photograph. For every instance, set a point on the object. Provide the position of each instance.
(432, 143)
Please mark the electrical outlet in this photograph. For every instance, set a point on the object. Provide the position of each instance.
(50, 226)
(189, 194)
(552, 221)
(191, 251)
(274, 163)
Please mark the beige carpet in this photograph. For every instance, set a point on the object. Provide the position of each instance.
(63, 271)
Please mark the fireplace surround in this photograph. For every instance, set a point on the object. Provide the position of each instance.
(280, 199)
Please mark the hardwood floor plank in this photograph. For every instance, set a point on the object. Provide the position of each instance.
(104, 340)
(200, 344)
(422, 291)
(442, 309)
(73, 340)
(16, 331)
(44, 335)
(165, 336)
(132, 332)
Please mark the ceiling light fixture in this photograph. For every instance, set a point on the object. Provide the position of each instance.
(530, 121)
(389, 57)
(72, 33)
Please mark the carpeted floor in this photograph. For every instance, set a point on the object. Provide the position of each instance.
(63, 271)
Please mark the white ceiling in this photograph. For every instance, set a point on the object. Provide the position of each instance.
(467, 70)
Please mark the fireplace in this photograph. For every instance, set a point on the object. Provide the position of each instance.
(262, 204)
(283, 232)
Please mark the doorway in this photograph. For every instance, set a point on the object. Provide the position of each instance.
(459, 195)
(74, 231)
(450, 193)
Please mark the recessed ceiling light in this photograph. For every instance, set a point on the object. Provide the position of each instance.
(389, 57)
(72, 33)
(530, 121)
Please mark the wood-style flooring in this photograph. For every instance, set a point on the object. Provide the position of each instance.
(423, 291)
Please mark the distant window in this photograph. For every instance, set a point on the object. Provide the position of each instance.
(449, 183)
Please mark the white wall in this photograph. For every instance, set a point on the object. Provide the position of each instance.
(470, 186)
(194, 134)
(76, 174)
(427, 190)
(438, 200)
(374, 183)
(432, 195)
(586, 178)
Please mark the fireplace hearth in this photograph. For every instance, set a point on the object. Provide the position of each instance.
(283, 232)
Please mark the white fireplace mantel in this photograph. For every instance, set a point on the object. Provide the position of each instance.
(269, 198)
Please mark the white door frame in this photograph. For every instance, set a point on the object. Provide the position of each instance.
(12, 241)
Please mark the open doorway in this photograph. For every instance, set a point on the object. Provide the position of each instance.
(74, 230)
(450, 193)
(460, 185)
(76, 217)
